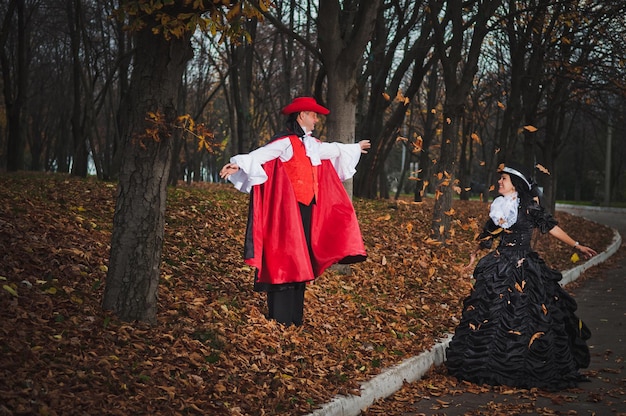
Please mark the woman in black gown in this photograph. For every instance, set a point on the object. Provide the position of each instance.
(518, 326)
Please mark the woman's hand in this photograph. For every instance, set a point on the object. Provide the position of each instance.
(365, 144)
(469, 266)
(587, 251)
(228, 170)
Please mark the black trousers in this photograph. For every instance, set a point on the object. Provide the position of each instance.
(286, 305)
(285, 302)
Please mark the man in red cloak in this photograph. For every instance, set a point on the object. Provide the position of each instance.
(301, 220)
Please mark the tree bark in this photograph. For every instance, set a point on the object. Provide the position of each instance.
(138, 224)
(343, 36)
(15, 85)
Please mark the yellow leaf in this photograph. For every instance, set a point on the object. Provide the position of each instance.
(575, 258)
(384, 218)
(51, 290)
(10, 290)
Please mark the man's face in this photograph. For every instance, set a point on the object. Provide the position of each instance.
(307, 120)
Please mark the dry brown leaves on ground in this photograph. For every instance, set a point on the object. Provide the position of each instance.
(213, 351)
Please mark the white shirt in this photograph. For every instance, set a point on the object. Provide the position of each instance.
(344, 158)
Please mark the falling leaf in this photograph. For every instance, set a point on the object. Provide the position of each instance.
(530, 128)
(542, 169)
(418, 144)
(534, 337)
(476, 138)
(386, 96)
(501, 105)
(544, 309)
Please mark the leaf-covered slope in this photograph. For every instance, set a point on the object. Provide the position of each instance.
(213, 351)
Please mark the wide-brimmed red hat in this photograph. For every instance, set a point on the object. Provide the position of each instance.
(304, 104)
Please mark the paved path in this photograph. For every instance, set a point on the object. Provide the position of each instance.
(601, 304)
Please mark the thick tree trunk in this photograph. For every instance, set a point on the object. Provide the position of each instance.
(138, 224)
(342, 42)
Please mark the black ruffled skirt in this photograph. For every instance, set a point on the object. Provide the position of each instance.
(518, 326)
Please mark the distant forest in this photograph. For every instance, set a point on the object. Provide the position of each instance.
(443, 89)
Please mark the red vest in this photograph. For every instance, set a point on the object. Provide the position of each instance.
(302, 174)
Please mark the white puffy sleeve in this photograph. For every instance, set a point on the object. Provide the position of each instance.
(344, 157)
(251, 171)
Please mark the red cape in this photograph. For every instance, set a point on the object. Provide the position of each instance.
(275, 241)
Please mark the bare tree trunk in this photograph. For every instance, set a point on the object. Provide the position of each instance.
(459, 69)
(138, 224)
(381, 119)
(429, 134)
(81, 153)
(14, 84)
(342, 42)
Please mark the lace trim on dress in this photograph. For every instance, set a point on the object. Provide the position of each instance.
(504, 209)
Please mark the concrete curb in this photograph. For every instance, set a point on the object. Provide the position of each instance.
(591, 208)
(391, 380)
(386, 383)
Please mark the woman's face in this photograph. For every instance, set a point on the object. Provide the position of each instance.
(505, 186)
